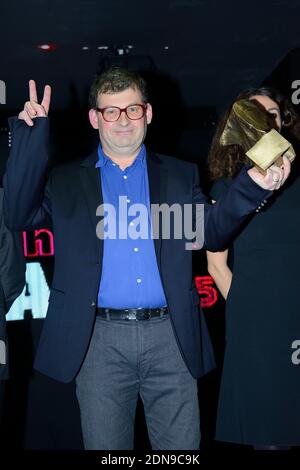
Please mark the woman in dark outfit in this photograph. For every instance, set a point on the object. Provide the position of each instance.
(259, 401)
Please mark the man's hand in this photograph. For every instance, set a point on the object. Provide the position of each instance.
(32, 108)
(275, 177)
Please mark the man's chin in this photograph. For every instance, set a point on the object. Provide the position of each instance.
(127, 147)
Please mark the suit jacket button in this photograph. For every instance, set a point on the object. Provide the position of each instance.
(93, 304)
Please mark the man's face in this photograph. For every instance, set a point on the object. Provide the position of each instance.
(121, 138)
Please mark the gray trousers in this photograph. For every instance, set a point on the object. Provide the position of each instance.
(128, 358)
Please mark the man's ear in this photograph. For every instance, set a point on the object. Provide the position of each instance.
(149, 113)
(93, 117)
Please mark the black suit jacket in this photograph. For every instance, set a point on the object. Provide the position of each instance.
(68, 200)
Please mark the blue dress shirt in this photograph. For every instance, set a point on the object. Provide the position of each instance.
(130, 277)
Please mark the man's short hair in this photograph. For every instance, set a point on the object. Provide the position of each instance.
(115, 80)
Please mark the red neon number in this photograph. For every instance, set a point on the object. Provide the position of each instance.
(205, 287)
(38, 244)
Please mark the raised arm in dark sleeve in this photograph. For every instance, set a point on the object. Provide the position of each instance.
(223, 220)
(26, 193)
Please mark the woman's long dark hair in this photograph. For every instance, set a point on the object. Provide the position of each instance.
(227, 161)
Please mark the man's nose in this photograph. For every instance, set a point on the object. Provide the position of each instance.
(123, 119)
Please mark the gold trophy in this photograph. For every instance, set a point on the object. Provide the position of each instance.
(252, 127)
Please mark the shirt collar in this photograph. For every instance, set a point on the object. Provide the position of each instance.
(104, 159)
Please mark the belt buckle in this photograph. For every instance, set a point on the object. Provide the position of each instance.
(132, 315)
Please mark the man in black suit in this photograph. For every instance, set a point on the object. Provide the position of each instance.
(12, 280)
(123, 315)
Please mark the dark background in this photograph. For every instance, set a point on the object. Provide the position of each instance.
(197, 56)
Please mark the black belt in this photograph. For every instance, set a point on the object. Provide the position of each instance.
(131, 313)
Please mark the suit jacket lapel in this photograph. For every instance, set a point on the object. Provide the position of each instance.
(90, 180)
(158, 181)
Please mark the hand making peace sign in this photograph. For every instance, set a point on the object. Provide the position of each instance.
(32, 108)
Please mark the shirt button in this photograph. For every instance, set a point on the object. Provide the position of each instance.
(136, 249)
(128, 200)
(139, 280)
(131, 223)
(125, 177)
